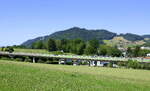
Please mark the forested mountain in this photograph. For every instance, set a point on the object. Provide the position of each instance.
(85, 34)
(146, 36)
(132, 37)
(74, 33)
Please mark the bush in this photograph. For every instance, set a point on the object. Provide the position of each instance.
(133, 64)
(54, 62)
(9, 49)
(83, 63)
(5, 58)
(41, 61)
(27, 59)
(57, 52)
(121, 64)
(51, 62)
(18, 59)
(69, 63)
(142, 66)
(147, 66)
(110, 64)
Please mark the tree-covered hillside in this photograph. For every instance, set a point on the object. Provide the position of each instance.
(86, 35)
(132, 37)
(146, 36)
(76, 33)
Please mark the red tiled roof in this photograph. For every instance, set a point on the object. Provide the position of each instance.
(147, 57)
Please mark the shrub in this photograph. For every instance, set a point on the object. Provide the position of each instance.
(142, 66)
(133, 64)
(18, 59)
(121, 64)
(147, 66)
(27, 59)
(57, 52)
(41, 61)
(110, 64)
(9, 49)
(48, 62)
(5, 58)
(83, 63)
(69, 63)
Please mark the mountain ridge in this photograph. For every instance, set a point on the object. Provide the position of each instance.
(86, 34)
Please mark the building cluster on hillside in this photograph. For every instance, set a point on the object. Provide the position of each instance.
(124, 50)
(147, 48)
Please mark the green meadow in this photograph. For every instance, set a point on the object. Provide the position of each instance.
(31, 50)
(22, 76)
(41, 51)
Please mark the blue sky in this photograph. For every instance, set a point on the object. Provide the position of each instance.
(21, 20)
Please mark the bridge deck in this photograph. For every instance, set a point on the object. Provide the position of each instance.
(97, 58)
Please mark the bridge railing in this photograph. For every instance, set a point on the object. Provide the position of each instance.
(77, 56)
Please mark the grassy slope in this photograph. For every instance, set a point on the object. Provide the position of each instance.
(19, 76)
(43, 51)
(31, 50)
(120, 41)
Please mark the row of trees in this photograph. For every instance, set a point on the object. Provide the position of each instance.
(80, 47)
(137, 52)
(77, 46)
(134, 64)
(7, 49)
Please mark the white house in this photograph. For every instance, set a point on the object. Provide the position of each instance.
(148, 55)
(143, 47)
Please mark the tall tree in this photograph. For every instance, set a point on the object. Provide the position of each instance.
(136, 51)
(91, 47)
(80, 48)
(9, 49)
(51, 45)
(2, 49)
(114, 52)
(64, 45)
(94, 43)
(102, 50)
(109, 51)
(129, 52)
(58, 45)
(89, 50)
(38, 45)
(76, 46)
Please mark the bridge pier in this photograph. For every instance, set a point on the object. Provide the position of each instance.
(95, 63)
(91, 63)
(65, 61)
(74, 62)
(62, 61)
(98, 63)
(59, 62)
(33, 60)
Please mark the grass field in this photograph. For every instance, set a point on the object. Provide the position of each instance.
(20, 76)
(41, 51)
(31, 50)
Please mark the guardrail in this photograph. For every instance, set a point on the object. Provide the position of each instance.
(98, 58)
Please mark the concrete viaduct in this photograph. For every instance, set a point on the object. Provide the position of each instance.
(91, 59)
